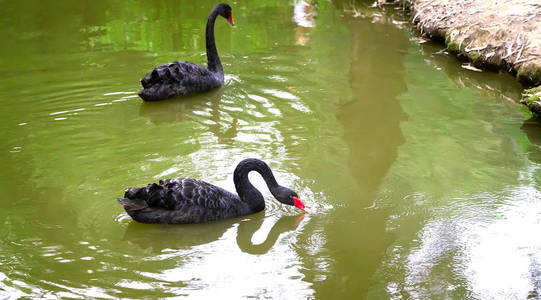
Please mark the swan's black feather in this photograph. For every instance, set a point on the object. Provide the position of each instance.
(176, 79)
(187, 200)
(181, 200)
(183, 78)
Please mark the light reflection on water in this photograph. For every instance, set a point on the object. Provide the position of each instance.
(417, 176)
(503, 255)
(221, 267)
(492, 248)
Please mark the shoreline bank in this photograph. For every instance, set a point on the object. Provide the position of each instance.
(500, 35)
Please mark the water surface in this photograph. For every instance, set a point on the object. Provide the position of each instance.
(421, 177)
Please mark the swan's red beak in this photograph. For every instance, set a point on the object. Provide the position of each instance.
(299, 204)
(231, 19)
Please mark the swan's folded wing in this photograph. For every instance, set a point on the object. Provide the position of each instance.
(180, 72)
(177, 79)
(193, 192)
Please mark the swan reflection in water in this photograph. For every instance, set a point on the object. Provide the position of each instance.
(191, 108)
(158, 237)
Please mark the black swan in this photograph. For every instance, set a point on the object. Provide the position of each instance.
(187, 200)
(182, 78)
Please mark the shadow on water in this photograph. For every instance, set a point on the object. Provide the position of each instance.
(166, 236)
(179, 109)
(532, 128)
(184, 109)
(493, 84)
(355, 231)
(158, 237)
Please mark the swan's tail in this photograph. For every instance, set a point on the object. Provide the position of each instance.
(155, 92)
(160, 83)
(132, 204)
(139, 198)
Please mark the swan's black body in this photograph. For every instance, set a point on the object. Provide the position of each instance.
(187, 200)
(182, 78)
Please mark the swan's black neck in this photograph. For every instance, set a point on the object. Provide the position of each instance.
(247, 192)
(213, 60)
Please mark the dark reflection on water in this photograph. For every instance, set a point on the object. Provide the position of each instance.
(488, 84)
(532, 128)
(370, 120)
(180, 110)
(158, 237)
(173, 111)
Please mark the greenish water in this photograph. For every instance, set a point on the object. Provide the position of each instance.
(421, 177)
